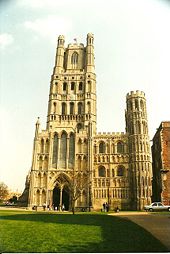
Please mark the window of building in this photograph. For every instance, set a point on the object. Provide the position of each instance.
(102, 147)
(141, 104)
(71, 150)
(81, 86)
(88, 107)
(55, 148)
(71, 108)
(120, 171)
(136, 104)
(79, 127)
(80, 108)
(120, 147)
(64, 108)
(64, 86)
(74, 58)
(102, 171)
(72, 85)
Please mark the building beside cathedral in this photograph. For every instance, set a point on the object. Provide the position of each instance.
(161, 163)
(70, 154)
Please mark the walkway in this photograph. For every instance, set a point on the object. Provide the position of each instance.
(157, 224)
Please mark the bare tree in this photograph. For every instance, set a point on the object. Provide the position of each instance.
(78, 184)
(3, 191)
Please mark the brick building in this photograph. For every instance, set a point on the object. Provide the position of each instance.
(161, 163)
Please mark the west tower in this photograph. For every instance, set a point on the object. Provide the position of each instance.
(64, 149)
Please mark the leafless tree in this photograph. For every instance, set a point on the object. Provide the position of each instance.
(76, 183)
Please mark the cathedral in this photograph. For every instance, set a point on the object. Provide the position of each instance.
(73, 163)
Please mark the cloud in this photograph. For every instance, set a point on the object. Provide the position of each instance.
(46, 4)
(5, 40)
(50, 26)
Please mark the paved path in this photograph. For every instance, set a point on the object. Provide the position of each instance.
(157, 224)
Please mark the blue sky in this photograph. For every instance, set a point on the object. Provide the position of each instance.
(132, 52)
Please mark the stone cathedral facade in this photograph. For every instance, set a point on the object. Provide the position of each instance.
(107, 167)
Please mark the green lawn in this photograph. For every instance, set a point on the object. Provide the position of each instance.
(83, 232)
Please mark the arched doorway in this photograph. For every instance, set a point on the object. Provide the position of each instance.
(65, 197)
(56, 197)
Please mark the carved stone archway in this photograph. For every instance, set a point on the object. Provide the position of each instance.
(61, 193)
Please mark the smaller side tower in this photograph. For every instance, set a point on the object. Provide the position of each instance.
(140, 165)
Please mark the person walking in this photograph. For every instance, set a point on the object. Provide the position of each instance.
(104, 207)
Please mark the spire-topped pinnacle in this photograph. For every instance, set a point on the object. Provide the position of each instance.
(38, 121)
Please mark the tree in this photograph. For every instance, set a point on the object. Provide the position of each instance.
(13, 199)
(76, 183)
(3, 191)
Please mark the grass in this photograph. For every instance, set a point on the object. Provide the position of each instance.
(83, 232)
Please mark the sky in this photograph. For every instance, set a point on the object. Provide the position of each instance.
(132, 52)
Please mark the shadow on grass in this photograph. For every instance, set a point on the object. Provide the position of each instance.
(117, 234)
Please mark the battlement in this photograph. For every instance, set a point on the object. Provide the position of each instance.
(75, 45)
(136, 93)
(106, 134)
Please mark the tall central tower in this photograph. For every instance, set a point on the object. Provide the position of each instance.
(72, 99)
(65, 147)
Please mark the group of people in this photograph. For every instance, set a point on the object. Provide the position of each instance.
(55, 208)
(105, 207)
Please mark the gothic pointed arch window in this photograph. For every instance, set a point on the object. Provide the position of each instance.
(80, 108)
(71, 108)
(63, 150)
(71, 151)
(74, 58)
(55, 148)
(64, 108)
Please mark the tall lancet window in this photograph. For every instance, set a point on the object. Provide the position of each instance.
(71, 151)
(63, 150)
(63, 108)
(55, 149)
(80, 108)
(71, 108)
(74, 59)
